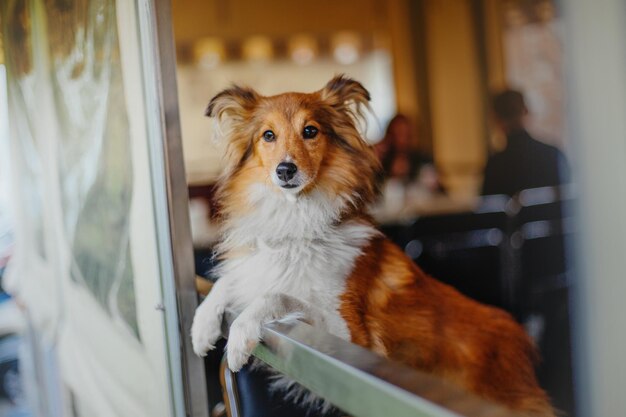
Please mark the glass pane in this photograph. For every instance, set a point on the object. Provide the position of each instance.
(95, 169)
(86, 263)
(19, 58)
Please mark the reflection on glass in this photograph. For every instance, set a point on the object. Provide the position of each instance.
(95, 170)
(80, 144)
(23, 94)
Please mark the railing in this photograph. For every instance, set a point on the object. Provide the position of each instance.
(360, 382)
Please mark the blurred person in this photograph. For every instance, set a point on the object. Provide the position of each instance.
(402, 161)
(525, 162)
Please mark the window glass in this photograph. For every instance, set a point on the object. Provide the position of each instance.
(94, 159)
(89, 247)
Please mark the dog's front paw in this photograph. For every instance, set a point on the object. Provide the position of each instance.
(205, 330)
(243, 337)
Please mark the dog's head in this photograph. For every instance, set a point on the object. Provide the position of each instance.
(298, 142)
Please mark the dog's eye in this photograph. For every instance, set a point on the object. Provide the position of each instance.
(309, 132)
(268, 136)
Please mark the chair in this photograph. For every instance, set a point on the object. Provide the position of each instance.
(545, 226)
(544, 223)
(466, 250)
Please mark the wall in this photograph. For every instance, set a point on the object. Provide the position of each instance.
(456, 92)
(234, 19)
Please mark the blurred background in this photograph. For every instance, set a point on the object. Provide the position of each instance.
(438, 63)
(499, 125)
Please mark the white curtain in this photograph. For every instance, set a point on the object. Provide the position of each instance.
(86, 259)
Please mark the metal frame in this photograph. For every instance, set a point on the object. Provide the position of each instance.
(360, 382)
(231, 390)
(187, 374)
(596, 79)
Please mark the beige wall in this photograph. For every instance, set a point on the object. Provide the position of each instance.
(235, 19)
(405, 72)
(457, 111)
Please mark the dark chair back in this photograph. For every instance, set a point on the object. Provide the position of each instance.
(464, 250)
(544, 224)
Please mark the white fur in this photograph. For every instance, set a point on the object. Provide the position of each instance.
(295, 258)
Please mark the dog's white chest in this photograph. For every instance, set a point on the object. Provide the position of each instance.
(295, 248)
(312, 270)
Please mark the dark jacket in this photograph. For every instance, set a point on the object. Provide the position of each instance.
(525, 163)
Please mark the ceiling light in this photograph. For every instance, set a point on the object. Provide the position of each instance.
(209, 52)
(303, 49)
(346, 47)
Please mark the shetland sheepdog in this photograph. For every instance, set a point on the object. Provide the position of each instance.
(297, 240)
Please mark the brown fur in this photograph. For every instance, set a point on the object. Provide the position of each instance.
(395, 309)
(389, 304)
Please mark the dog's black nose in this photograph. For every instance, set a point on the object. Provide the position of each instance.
(286, 171)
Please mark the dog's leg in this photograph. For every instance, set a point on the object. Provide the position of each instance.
(206, 328)
(245, 332)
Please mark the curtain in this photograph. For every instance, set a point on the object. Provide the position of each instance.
(86, 262)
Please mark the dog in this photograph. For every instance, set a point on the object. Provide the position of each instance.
(297, 242)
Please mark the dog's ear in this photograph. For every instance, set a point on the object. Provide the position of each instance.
(231, 109)
(233, 102)
(344, 91)
(349, 98)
